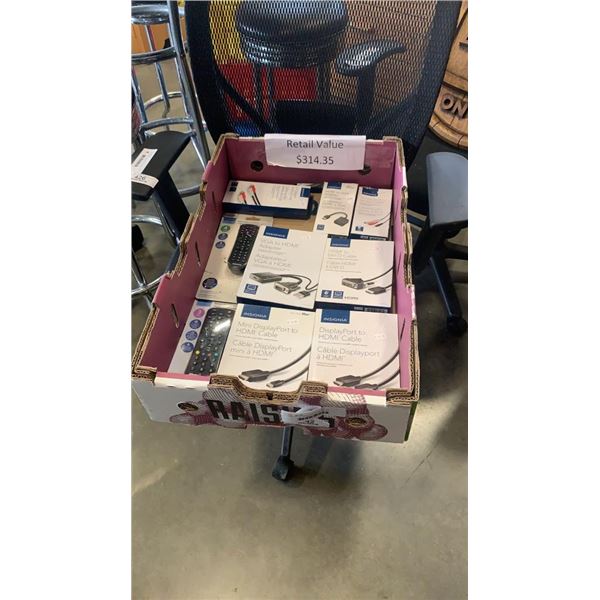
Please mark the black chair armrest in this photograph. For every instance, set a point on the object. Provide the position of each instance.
(356, 59)
(170, 144)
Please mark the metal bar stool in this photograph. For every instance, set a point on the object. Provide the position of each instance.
(168, 13)
(172, 212)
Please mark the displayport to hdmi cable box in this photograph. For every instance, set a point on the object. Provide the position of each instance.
(372, 214)
(356, 274)
(283, 268)
(336, 207)
(268, 347)
(355, 349)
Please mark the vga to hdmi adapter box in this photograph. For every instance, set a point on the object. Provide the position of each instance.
(271, 199)
(335, 208)
(356, 274)
(283, 268)
(372, 214)
(268, 347)
(219, 282)
(355, 349)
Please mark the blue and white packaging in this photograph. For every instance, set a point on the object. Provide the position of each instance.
(283, 269)
(356, 274)
(336, 208)
(218, 282)
(372, 214)
(268, 348)
(272, 199)
(355, 349)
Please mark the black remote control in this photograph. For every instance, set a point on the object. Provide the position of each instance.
(238, 259)
(211, 341)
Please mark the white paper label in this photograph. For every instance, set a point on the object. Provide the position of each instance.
(329, 152)
(312, 416)
(138, 166)
(145, 180)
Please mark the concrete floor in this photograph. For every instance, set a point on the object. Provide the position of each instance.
(358, 521)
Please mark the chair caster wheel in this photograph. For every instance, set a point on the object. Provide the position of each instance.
(456, 325)
(283, 468)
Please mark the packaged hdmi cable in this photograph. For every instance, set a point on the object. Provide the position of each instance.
(355, 350)
(372, 214)
(283, 268)
(356, 274)
(268, 347)
(336, 207)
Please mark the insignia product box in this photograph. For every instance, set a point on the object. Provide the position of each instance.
(273, 199)
(356, 274)
(356, 349)
(372, 214)
(203, 338)
(335, 208)
(283, 269)
(269, 347)
(229, 253)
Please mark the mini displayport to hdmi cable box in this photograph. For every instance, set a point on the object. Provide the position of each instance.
(355, 349)
(372, 214)
(356, 274)
(272, 199)
(283, 268)
(336, 207)
(268, 347)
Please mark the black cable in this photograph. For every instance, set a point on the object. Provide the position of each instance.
(391, 359)
(353, 380)
(253, 194)
(339, 212)
(379, 276)
(254, 375)
(300, 277)
(279, 382)
(296, 277)
(291, 363)
(376, 386)
(381, 367)
(383, 219)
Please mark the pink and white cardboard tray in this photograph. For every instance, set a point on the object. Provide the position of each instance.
(224, 400)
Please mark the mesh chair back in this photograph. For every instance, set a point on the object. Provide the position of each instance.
(354, 67)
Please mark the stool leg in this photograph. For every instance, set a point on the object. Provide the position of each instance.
(171, 235)
(184, 75)
(137, 92)
(171, 204)
(140, 279)
(159, 75)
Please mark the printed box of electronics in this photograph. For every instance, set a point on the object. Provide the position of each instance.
(271, 320)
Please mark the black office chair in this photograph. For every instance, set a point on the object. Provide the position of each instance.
(356, 67)
(447, 215)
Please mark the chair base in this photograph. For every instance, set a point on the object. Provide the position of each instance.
(455, 324)
(284, 465)
(432, 248)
